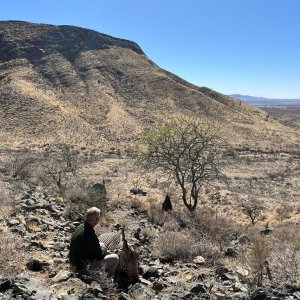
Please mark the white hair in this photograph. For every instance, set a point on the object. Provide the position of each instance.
(92, 214)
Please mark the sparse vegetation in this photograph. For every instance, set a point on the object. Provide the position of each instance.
(176, 246)
(258, 259)
(12, 254)
(284, 211)
(78, 199)
(187, 150)
(253, 209)
(17, 166)
(60, 164)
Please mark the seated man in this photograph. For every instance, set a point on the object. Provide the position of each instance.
(85, 250)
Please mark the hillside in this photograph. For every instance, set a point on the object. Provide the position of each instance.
(74, 85)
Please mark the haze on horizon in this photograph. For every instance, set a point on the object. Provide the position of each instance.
(248, 47)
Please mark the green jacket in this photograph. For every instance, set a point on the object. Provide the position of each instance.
(84, 246)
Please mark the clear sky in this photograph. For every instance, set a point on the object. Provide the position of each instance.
(248, 47)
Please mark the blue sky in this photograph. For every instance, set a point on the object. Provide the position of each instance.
(249, 47)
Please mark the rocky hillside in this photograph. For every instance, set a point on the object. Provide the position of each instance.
(65, 83)
(43, 235)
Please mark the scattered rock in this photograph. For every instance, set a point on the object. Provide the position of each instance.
(32, 219)
(20, 229)
(5, 284)
(231, 252)
(32, 289)
(59, 246)
(62, 276)
(260, 293)
(243, 239)
(73, 286)
(158, 285)
(34, 265)
(13, 222)
(141, 292)
(199, 260)
(96, 290)
(198, 289)
(151, 272)
(124, 296)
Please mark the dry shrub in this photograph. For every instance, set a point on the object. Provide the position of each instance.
(79, 199)
(284, 212)
(206, 224)
(5, 199)
(148, 233)
(11, 255)
(285, 265)
(287, 233)
(170, 223)
(155, 214)
(136, 203)
(17, 165)
(176, 246)
(258, 259)
(285, 261)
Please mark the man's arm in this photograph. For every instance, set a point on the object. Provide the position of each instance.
(94, 248)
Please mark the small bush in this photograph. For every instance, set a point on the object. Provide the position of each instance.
(257, 259)
(284, 212)
(285, 261)
(253, 209)
(285, 264)
(11, 255)
(155, 213)
(148, 233)
(207, 224)
(17, 166)
(79, 199)
(170, 223)
(176, 246)
(5, 199)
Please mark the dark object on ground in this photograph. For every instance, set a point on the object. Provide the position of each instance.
(198, 289)
(137, 233)
(266, 231)
(34, 265)
(231, 252)
(167, 205)
(138, 192)
(151, 272)
(5, 284)
(85, 278)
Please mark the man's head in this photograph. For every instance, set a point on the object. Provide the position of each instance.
(92, 216)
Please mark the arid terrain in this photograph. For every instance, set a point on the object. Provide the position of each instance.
(74, 97)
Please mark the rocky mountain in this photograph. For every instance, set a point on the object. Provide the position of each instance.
(74, 85)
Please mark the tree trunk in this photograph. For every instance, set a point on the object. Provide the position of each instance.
(193, 203)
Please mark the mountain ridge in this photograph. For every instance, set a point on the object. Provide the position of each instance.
(78, 86)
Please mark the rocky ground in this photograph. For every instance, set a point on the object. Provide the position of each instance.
(40, 221)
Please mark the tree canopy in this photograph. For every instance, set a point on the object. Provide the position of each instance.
(188, 150)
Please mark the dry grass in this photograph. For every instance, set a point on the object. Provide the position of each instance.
(176, 246)
(12, 254)
(206, 223)
(5, 199)
(79, 199)
(273, 258)
(285, 260)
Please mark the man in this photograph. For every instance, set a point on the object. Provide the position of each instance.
(85, 250)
